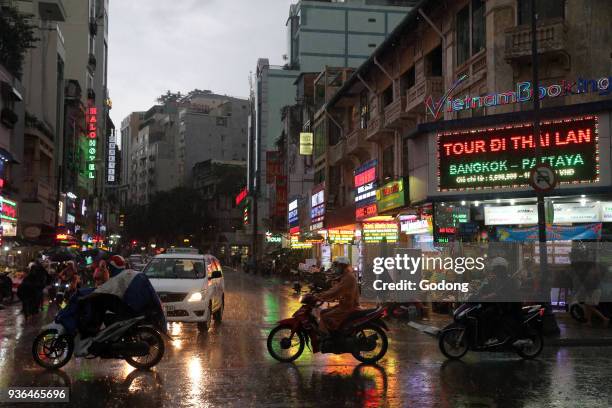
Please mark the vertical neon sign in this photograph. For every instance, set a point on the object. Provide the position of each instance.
(92, 140)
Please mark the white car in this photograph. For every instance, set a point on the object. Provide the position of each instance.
(190, 286)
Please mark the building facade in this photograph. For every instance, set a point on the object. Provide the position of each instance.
(320, 33)
(430, 138)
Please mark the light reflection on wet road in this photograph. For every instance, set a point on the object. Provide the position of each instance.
(230, 366)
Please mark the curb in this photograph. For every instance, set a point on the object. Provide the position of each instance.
(549, 341)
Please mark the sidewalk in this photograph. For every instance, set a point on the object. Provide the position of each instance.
(572, 333)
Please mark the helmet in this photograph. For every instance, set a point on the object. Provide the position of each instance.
(499, 262)
(342, 260)
(116, 264)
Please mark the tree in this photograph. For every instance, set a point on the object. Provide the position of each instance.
(169, 217)
(16, 37)
(169, 97)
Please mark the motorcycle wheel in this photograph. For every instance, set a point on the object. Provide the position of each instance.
(448, 343)
(51, 350)
(156, 348)
(279, 342)
(379, 351)
(577, 312)
(529, 353)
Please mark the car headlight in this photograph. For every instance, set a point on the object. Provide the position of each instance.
(195, 297)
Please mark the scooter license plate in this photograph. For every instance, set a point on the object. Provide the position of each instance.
(169, 308)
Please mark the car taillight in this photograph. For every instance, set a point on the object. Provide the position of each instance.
(384, 313)
(541, 312)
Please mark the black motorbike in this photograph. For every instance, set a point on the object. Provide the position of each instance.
(465, 333)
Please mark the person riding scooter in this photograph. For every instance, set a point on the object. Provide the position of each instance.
(345, 291)
(495, 293)
(126, 293)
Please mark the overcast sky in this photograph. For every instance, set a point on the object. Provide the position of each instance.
(156, 45)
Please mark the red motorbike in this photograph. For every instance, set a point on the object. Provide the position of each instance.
(362, 334)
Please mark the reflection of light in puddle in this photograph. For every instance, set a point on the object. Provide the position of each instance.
(177, 344)
(175, 329)
(126, 370)
(194, 368)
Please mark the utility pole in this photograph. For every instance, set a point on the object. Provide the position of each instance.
(549, 322)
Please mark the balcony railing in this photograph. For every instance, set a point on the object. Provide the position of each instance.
(415, 96)
(376, 127)
(551, 36)
(355, 139)
(395, 113)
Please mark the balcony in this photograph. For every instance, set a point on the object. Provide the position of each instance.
(376, 128)
(551, 36)
(52, 10)
(415, 96)
(36, 189)
(93, 26)
(337, 153)
(396, 116)
(355, 139)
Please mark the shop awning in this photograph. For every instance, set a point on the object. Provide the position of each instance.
(7, 156)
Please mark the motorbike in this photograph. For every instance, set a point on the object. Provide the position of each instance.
(60, 292)
(465, 334)
(134, 339)
(363, 334)
(576, 309)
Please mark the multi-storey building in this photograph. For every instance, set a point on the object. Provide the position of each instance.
(431, 135)
(129, 136)
(43, 80)
(321, 33)
(175, 136)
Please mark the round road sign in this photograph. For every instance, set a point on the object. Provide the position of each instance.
(543, 177)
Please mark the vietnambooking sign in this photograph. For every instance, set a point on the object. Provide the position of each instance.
(503, 156)
(521, 94)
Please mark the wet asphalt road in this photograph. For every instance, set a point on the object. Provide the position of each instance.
(230, 366)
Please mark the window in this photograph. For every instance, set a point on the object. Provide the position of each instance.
(364, 110)
(319, 140)
(545, 9)
(387, 95)
(166, 268)
(433, 61)
(221, 121)
(471, 34)
(408, 79)
(387, 161)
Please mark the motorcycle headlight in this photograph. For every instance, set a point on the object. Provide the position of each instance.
(195, 297)
(56, 284)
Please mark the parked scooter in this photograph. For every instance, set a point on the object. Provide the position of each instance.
(362, 334)
(465, 334)
(576, 310)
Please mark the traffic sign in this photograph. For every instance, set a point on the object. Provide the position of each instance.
(543, 177)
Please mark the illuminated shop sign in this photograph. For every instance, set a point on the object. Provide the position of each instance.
(306, 143)
(390, 196)
(242, 195)
(341, 235)
(317, 208)
(413, 224)
(523, 92)
(111, 175)
(511, 215)
(273, 238)
(367, 211)
(293, 214)
(380, 231)
(365, 190)
(8, 216)
(504, 156)
(295, 243)
(92, 140)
